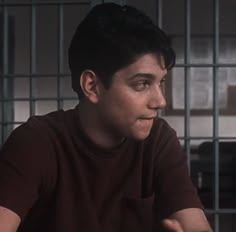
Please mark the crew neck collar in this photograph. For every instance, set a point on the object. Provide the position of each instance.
(98, 150)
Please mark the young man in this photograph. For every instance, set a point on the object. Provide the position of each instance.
(110, 164)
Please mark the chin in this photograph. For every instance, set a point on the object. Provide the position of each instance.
(141, 136)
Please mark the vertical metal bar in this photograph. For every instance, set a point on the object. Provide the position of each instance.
(32, 59)
(2, 77)
(5, 72)
(159, 15)
(216, 110)
(187, 79)
(60, 60)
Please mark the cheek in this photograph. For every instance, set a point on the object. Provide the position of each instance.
(127, 97)
(126, 104)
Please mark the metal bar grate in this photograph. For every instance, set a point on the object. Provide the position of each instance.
(8, 99)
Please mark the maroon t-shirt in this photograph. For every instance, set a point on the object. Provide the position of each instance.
(57, 180)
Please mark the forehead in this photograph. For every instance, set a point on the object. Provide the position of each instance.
(147, 63)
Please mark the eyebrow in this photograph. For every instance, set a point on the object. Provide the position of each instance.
(145, 75)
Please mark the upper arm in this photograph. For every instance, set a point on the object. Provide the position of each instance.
(192, 219)
(26, 173)
(9, 221)
(173, 185)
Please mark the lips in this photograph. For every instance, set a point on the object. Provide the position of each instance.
(148, 117)
(146, 122)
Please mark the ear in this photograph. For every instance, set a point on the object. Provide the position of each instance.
(89, 85)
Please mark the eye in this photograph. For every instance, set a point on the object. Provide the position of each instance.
(162, 81)
(141, 85)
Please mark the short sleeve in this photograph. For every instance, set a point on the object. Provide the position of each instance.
(22, 165)
(173, 184)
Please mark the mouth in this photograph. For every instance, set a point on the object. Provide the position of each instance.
(146, 121)
(148, 118)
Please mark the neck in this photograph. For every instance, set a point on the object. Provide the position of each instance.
(94, 127)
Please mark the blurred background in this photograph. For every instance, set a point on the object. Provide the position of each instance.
(200, 90)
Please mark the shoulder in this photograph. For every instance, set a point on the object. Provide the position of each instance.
(29, 144)
(53, 119)
(48, 126)
(30, 132)
(161, 128)
(161, 134)
(32, 141)
(161, 143)
(163, 146)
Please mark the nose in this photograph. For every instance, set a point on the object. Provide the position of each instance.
(157, 100)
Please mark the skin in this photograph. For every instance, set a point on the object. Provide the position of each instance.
(126, 109)
(187, 220)
(110, 115)
(9, 221)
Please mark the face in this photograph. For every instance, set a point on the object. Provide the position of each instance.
(127, 108)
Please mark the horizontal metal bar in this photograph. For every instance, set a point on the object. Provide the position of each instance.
(17, 3)
(46, 75)
(218, 65)
(11, 123)
(43, 75)
(207, 137)
(221, 211)
(35, 75)
(37, 99)
(203, 35)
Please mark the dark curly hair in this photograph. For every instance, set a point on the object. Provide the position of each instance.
(111, 37)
